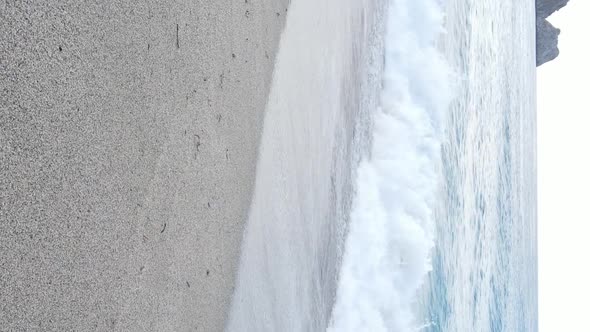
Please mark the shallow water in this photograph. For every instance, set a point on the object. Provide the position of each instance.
(316, 129)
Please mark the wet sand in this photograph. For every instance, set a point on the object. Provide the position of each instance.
(128, 145)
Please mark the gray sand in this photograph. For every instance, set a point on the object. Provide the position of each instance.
(128, 141)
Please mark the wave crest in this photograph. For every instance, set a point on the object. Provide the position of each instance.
(391, 234)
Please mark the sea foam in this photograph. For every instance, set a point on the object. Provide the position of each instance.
(391, 232)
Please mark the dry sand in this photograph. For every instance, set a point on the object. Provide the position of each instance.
(128, 141)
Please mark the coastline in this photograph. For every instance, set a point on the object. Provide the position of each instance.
(315, 133)
(129, 144)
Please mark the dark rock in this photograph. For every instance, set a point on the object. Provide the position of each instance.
(545, 8)
(547, 34)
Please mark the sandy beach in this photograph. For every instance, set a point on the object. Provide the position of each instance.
(128, 147)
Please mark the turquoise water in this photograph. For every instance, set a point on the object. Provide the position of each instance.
(484, 274)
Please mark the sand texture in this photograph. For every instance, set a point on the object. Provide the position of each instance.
(128, 142)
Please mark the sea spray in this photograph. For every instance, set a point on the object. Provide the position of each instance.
(391, 233)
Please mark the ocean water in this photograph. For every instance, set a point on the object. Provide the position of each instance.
(395, 186)
(484, 274)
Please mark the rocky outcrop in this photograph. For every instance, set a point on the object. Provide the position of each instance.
(545, 8)
(546, 42)
(547, 34)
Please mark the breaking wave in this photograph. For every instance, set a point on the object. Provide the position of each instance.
(391, 232)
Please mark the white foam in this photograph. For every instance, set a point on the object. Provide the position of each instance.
(387, 253)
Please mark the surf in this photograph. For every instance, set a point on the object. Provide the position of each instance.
(391, 233)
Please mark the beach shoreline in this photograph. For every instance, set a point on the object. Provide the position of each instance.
(129, 137)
